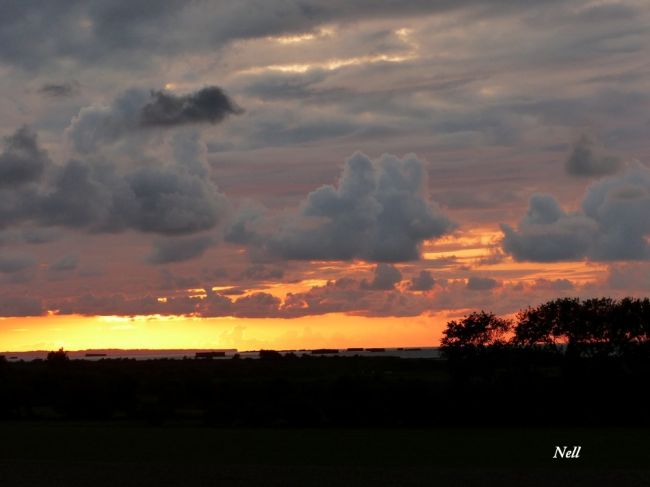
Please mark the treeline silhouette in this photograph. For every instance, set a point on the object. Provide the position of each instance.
(565, 362)
(591, 328)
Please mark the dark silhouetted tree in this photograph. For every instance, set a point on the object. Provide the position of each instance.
(58, 357)
(475, 331)
(546, 324)
(270, 355)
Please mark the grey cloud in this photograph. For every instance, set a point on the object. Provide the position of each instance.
(60, 90)
(66, 263)
(621, 206)
(613, 223)
(385, 278)
(172, 202)
(542, 209)
(546, 233)
(179, 249)
(135, 110)
(97, 125)
(476, 283)
(119, 304)
(379, 211)
(22, 160)
(209, 104)
(569, 238)
(171, 198)
(586, 159)
(422, 282)
(256, 305)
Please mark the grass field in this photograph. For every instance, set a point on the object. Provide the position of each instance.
(34, 454)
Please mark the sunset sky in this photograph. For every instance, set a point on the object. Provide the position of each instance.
(299, 174)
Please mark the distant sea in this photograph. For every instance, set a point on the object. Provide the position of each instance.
(403, 352)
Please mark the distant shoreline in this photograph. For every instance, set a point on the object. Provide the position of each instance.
(229, 353)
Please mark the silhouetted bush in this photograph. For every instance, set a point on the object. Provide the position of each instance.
(59, 357)
(270, 355)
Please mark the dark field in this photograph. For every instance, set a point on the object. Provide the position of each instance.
(46, 454)
(323, 421)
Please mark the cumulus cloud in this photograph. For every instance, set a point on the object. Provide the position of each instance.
(546, 233)
(174, 196)
(422, 282)
(136, 110)
(621, 206)
(22, 160)
(613, 223)
(180, 249)
(385, 278)
(209, 105)
(378, 211)
(166, 200)
(587, 159)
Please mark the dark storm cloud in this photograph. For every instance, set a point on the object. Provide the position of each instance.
(476, 283)
(586, 160)
(22, 160)
(613, 224)
(135, 110)
(179, 249)
(379, 211)
(60, 90)
(209, 104)
(422, 282)
(385, 278)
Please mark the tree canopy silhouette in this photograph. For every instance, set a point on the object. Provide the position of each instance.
(476, 330)
(58, 357)
(591, 327)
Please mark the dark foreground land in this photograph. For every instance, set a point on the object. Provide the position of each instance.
(491, 420)
(117, 454)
